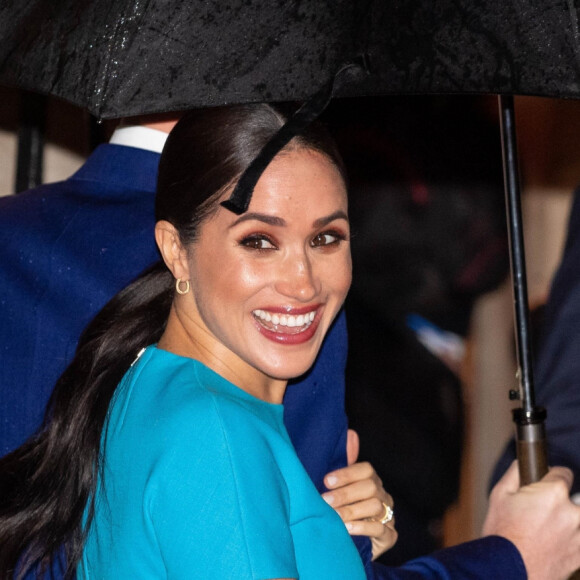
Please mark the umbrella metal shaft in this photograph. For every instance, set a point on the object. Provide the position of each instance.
(529, 419)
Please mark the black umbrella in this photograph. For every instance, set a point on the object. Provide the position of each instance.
(128, 57)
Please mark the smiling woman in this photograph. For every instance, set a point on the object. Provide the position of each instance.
(266, 286)
(182, 374)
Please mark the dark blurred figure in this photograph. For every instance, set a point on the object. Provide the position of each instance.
(557, 361)
(428, 223)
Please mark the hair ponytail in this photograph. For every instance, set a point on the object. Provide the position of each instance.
(47, 484)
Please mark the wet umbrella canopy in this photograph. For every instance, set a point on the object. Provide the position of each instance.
(127, 57)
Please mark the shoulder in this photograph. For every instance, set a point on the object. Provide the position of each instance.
(191, 425)
(210, 471)
(13, 205)
(163, 392)
(176, 405)
(42, 210)
(31, 221)
(170, 425)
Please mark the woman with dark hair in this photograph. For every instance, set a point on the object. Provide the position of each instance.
(164, 452)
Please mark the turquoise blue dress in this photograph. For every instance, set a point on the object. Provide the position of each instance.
(201, 480)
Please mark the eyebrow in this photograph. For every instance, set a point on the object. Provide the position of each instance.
(261, 217)
(277, 221)
(337, 215)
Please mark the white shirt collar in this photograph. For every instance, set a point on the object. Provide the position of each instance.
(139, 137)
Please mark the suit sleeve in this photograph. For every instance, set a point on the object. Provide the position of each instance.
(490, 557)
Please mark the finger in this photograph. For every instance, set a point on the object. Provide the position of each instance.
(372, 529)
(367, 509)
(559, 473)
(365, 528)
(350, 474)
(352, 446)
(354, 492)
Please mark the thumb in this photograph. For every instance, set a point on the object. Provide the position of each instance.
(352, 446)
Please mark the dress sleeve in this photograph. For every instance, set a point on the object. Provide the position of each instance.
(218, 503)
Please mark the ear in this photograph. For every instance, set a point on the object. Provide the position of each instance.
(173, 253)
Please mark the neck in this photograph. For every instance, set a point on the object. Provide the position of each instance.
(162, 121)
(164, 126)
(186, 337)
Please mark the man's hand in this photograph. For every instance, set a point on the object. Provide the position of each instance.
(357, 494)
(540, 520)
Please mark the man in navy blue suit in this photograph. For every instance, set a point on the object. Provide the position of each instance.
(60, 262)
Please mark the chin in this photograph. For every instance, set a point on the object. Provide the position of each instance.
(288, 370)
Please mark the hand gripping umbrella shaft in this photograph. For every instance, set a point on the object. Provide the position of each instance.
(529, 419)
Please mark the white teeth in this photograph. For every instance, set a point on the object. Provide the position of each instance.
(288, 320)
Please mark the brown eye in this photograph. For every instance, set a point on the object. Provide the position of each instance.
(325, 239)
(257, 243)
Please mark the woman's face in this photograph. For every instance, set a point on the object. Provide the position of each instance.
(267, 284)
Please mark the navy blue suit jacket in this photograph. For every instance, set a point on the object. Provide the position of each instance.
(557, 369)
(67, 248)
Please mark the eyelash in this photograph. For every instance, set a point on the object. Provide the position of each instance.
(338, 237)
(257, 238)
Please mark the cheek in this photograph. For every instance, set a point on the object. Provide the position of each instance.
(237, 278)
(252, 275)
(348, 268)
(339, 274)
(346, 277)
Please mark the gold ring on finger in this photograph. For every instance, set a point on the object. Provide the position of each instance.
(388, 515)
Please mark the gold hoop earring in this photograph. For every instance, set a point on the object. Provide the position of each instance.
(178, 288)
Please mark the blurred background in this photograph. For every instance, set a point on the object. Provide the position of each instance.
(430, 312)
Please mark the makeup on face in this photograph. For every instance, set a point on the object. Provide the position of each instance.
(268, 284)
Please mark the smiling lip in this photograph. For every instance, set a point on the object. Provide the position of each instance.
(287, 325)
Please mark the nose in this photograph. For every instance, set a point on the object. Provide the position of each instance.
(297, 278)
